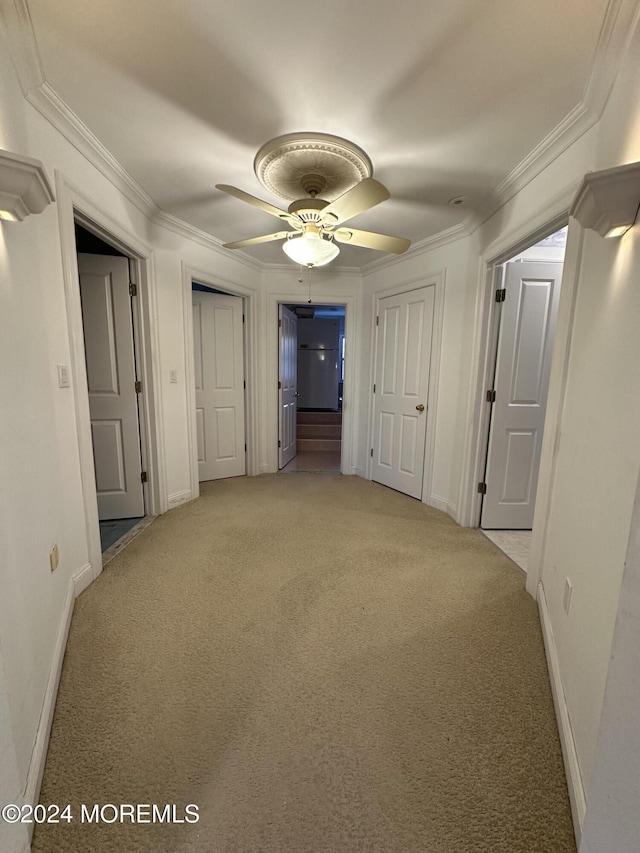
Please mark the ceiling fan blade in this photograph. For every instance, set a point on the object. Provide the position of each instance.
(253, 241)
(363, 196)
(256, 202)
(370, 240)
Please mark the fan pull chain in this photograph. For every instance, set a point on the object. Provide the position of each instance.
(301, 281)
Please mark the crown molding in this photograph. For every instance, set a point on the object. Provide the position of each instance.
(619, 21)
(47, 101)
(203, 238)
(435, 241)
(15, 20)
(283, 269)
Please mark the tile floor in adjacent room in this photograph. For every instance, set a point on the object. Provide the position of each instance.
(112, 530)
(516, 544)
(318, 462)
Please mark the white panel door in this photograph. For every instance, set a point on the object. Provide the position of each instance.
(111, 378)
(523, 365)
(403, 358)
(287, 384)
(219, 377)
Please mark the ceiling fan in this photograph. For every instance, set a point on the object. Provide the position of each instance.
(313, 222)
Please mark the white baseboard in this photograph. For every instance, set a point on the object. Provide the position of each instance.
(572, 768)
(444, 505)
(82, 579)
(360, 472)
(78, 582)
(178, 498)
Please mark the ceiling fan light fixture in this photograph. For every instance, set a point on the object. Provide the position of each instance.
(310, 250)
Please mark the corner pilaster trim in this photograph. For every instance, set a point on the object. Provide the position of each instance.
(575, 784)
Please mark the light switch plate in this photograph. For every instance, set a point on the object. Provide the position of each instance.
(64, 376)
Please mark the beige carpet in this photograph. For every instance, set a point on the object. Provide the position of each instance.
(322, 665)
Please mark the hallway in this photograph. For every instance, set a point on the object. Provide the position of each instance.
(317, 663)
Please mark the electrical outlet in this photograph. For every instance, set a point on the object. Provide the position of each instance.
(54, 557)
(566, 598)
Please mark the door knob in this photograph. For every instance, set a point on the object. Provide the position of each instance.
(420, 408)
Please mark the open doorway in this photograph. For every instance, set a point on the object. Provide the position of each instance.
(310, 387)
(114, 386)
(527, 295)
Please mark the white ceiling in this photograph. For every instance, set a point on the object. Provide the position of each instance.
(446, 98)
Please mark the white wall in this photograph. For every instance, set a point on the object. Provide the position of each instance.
(598, 456)
(613, 819)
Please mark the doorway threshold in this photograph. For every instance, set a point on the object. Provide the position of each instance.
(314, 462)
(117, 533)
(516, 544)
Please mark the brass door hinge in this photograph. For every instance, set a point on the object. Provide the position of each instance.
(143, 476)
(482, 488)
(491, 396)
(138, 387)
(501, 295)
(133, 289)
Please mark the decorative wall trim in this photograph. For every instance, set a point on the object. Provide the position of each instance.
(572, 767)
(178, 498)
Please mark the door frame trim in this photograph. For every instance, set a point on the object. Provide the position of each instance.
(438, 281)
(190, 275)
(552, 215)
(500, 277)
(349, 401)
(486, 334)
(73, 205)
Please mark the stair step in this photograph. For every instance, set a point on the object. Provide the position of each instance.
(307, 444)
(333, 431)
(319, 417)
